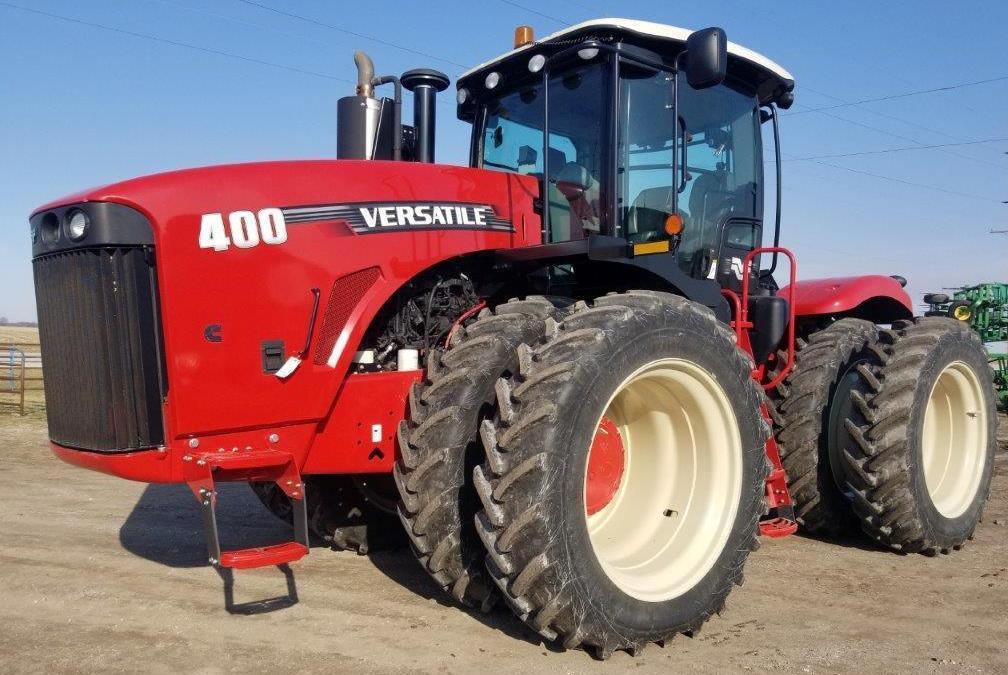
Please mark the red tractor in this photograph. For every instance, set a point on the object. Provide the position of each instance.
(567, 369)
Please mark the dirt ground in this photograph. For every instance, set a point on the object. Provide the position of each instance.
(99, 573)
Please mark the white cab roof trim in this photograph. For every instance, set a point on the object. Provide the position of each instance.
(651, 29)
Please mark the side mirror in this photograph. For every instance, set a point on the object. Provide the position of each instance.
(706, 58)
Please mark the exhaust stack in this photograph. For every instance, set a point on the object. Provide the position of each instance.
(365, 74)
(364, 124)
(371, 128)
(425, 85)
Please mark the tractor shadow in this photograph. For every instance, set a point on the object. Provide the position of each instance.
(855, 540)
(401, 567)
(166, 527)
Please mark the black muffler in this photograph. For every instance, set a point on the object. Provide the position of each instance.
(365, 125)
(371, 128)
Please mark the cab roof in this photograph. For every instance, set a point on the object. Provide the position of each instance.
(769, 78)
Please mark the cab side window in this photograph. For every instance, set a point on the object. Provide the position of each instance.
(512, 140)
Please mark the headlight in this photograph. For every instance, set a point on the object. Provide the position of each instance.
(492, 80)
(536, 63)
(49, 228)
(77, 225)
(462, 96)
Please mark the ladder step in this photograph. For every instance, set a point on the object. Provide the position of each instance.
(202, 471)
(263, 556)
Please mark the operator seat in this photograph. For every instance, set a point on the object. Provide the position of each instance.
(707, 200)
(576, 183)
(646, 218)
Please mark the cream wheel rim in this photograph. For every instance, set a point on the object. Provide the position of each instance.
(675, 507)
(954, 439)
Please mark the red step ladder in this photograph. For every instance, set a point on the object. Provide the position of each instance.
(202, 470)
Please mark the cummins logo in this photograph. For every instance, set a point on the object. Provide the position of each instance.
(396, 216)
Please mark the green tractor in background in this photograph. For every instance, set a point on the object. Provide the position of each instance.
(985, 308)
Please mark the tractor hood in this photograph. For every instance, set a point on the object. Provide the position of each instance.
(294, 186)
(241, 253)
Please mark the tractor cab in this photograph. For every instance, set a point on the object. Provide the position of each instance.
(645, 139)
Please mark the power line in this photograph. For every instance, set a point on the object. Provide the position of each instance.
(262, 62)
(893, 179)
(899, 136)
(891, 97)
(536, 12)
(901, 120)
(176, 43)
(240, 22)
(372, 38)
(889, 150)
(907, 122)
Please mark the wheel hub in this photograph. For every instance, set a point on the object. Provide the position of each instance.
(605, 466)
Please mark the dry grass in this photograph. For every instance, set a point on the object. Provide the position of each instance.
(34, 394)
(18, 334)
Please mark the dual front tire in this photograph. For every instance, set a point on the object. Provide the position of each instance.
(662, 554)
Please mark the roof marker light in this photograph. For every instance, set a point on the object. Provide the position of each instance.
(523, 36)
(536, 63)
(588, 53)
(492, 80)
(462, 96)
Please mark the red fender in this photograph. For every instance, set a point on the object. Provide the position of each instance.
(873, 297)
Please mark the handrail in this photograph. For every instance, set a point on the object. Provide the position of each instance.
(743, 316)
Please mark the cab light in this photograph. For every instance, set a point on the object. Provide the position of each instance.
(492, 80)
(673, 224)
(536, 63)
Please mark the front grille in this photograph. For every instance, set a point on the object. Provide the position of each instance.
(101, 355)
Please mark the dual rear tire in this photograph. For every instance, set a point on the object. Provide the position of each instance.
(892, 430)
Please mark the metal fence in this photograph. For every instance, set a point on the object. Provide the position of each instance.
(21, 385)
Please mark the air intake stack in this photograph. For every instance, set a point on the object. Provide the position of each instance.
(425, 85)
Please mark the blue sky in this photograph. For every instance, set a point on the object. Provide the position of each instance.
(84, 106)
